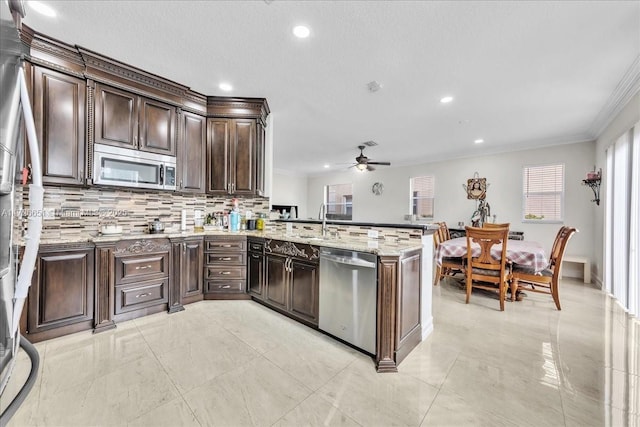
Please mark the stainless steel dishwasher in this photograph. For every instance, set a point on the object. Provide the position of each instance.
(348, 296)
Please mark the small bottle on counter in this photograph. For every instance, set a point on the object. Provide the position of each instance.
(260, 223)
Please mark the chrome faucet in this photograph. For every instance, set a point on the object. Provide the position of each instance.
(322, 214)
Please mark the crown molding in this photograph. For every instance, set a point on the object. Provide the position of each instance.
(628, 86)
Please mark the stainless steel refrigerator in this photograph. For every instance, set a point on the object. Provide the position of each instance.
(15, 274)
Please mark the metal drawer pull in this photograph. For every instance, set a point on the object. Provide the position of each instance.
(143, 267)
(225, 246)
(224, 259)
(143, 295)
(225, 272)
(225, 287)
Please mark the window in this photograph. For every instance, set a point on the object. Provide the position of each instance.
(339, 199)
(422, 196)
(543, 193)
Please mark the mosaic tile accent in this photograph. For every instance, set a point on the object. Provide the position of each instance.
(79, 213)
(388, 234)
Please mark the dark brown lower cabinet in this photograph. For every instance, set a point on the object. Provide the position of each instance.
(141, 282)
(291, 280)
(188, 258)
(225, 267)
(60, 300)
(255, 267)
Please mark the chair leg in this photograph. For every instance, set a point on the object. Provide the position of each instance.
(503, 291)
(468, 289)
(514, 289)
(554, 294)
(436, 279)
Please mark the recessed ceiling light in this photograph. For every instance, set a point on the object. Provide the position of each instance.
(301, 31)
(225, 87)
(42, 8)
(446, 99)
(327, 166)
(479, 141)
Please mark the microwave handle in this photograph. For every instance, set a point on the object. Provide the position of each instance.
(161, 174)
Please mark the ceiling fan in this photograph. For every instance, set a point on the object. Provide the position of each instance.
(364, 164)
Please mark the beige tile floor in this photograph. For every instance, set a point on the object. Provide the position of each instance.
(235, 363)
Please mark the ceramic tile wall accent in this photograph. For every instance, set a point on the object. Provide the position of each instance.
(80, 212)
(352, 231)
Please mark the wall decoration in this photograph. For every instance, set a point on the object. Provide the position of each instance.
(377, 188)
(476, 187)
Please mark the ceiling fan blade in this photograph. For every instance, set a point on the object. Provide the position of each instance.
(370, 168)
(380, 163)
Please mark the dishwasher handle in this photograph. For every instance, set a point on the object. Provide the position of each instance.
(358, 262)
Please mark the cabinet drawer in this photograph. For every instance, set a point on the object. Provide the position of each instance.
(225, 286)
(256, 246)
(225, 273)
(141, 295)
(142, 267)
(231, 258)
(225, 245)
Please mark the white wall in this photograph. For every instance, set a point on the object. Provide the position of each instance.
(627, 117)
(290, 189)
(504, 195)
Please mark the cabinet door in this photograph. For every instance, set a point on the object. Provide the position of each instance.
(191, 269)
(61, 292)
(59, 113)
(218, 134)
(276, 281)
(243, 158)
(304, 288)
(116, 117)
(192, 157)
(255, 270)
(157, 130)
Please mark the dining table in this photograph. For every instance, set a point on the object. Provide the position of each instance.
(527, 253)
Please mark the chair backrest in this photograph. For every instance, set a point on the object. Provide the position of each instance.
(494, 225)
(487, 238)
(444, 231)
(559, 245)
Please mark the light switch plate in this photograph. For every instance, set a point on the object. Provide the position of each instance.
(372, 234)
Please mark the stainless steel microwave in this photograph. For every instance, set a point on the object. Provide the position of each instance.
(125, 167)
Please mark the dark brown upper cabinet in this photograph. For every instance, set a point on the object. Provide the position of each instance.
(192, 153)
(231, 156)
(236, 145)
(59, 105)
(124, 119)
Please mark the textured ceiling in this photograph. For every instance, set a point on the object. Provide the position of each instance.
(523, 74)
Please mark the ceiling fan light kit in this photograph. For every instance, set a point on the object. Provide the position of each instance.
(363, 163)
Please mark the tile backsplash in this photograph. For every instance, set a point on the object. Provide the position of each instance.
(78, 213)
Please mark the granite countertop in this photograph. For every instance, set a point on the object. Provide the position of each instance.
(414, 226)
(376, 246)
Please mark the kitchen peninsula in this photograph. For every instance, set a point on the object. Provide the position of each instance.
(140, 274)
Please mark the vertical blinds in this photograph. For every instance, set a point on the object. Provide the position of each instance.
(543, 192)
(422, 196)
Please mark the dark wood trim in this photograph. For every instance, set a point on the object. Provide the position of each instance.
(236, 296)
(105, 270)
(175, 300)
(237, 107)
(386, 324)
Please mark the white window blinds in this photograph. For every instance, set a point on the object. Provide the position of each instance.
(543, 193)
(422, 196)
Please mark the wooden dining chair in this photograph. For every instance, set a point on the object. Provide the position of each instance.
(486, 271)
(546, 281)
(494, 225)
(450, 265)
